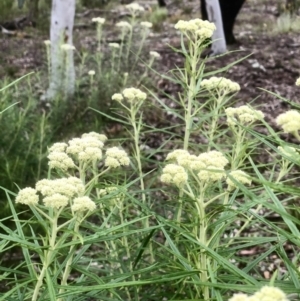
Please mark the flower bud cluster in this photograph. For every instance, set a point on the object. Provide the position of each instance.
(198, 28)
(134, 8)
(289, 121)
(266, 293)
(209, 166)
(67, 47)
(124, 25)
(238, 176)
(99, 20)
(116, 157)
(154, 54)
(132, 95)
(57, 194)
(174, 174)
(27, 196)
(146, 24)
(85, 149)
(221, 85)
(243, 115)
(114, 45)
(83, 203)
(215, 163)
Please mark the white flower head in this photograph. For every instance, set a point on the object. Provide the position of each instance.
(154, 54)
(124, 25)
(270, 293)
(289, 121)
(60, 160)
(146, 24)
(114, 45)
(174, 174)
(117, 97)
(134, 95)
(135, 8)
(243, 115)
(199, 29)
(298, 81)
(99, 20)
(27, 196)
(116, 157)
(239, 176)
(91, 73)
(83, 203)
(100, 137)
(67, 47)
(221, 85)
(47, 42)
(88, 148)
(69, 187)
(56, 201)
(239, 297)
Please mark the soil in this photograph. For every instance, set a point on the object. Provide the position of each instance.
(272, 59)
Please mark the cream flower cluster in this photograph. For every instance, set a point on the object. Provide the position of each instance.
(298, 81)
(114, 45)
(99, 20)
(132, 95)
(69, 187)
(57, 194)
(27, 196)
(243, 115)
(239, 176)
(266, 293)
(209, 166)
(116, 157)
(58, 158)
(215, 163)
(174, 174)
(289, 121)
(199, 28)
(83, 203)
(146, 24)
(124, 25)
(220, 84)
(135, 8)
(154, 54)
(85, 149)
(67, 47)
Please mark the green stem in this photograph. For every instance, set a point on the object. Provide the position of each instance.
(47, 259)
(66, 274)
(202, 237)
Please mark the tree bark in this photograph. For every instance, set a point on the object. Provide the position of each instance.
(62, 77)
(214, 16)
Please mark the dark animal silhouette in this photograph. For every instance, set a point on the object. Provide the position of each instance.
(229, 11)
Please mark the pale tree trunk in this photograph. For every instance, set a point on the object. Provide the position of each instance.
(62, 74)
(215, 16)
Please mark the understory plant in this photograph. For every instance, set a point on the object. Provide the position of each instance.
(182, 230)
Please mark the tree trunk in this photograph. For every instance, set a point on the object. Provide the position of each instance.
(62, 77)
(214, 15)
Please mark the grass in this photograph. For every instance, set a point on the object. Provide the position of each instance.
(110, 220)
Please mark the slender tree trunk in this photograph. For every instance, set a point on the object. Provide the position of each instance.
(62, 77)
(214, 15)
